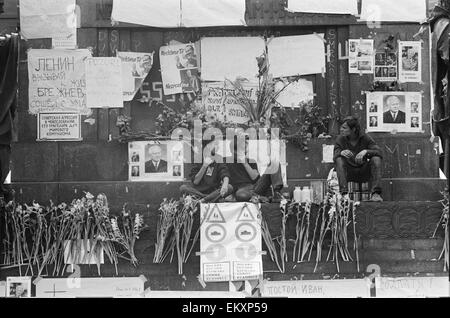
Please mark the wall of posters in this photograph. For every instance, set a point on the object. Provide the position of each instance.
(57, 81)
(19, 287)
(104, 82)
(410, 61)
(230, 242)
(135, 68)
(220, 104)
(296, 49)
(385, 67)
(179, 69)
(59, 127)
(156, 161)
(394, 111)
(48, 19)
(361, 56)
(412, 287)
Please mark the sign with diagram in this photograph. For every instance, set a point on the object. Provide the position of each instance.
(230, 242)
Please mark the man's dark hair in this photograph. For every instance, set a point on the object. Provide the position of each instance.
(353, 123)
(445, 4)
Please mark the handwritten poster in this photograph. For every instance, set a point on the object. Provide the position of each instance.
(295, 94)
(361, 56)
(410, 61)
(324, 6)
(230, 242)
(104, 82)
(230, 57)
(179, 69)
(220, 104)
(337, 288)
(59, 127)
(305, 53)
(156, 161)
(47, 19)
(135, 68)
(57, 81)
(121, 287)
(412, 287)
(394, 111)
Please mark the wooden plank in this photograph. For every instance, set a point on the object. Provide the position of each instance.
(39, 192)
(103, 114)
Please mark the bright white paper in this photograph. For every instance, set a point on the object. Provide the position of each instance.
(200, 13)
(328, 153)
(394, 10)
(156, 13)
(410, 61)
(230, 57)
(296, 55)
(47, 18)
(412, 287)
(295, 94)
(361, 56)
(104, 82)
(324, 6)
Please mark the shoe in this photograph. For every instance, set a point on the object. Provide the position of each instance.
(376, 198)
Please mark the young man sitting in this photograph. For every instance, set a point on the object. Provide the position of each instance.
(358, 158)
(210, 180)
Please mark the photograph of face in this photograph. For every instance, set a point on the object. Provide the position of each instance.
(385, 72)
(373, 107)
(410, 59)
(392, 72)
(135, 157)
(378, 72)
(394, 109)
(177, 171)
(415, 122)
(190, 81)
(156, 158)
(373, 121)
(380, 59)
(18, 290)
(414, 108)
(391, 59)
(135, 171)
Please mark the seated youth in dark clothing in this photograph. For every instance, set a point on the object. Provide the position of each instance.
(245, 178)
(210, 180)
(358, 158)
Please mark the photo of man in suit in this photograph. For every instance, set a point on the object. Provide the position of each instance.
(156, 164)
(394, 115)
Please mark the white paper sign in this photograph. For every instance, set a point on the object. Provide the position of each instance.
(57, 81)
(47, 19)
(135, 68)
(156, 161)
(202, 13)
(412, 287)
(230, 242)
(305, 55)
(295, 94)
(230, 57)
(361, 56)
(219, 103)
(337, 288)
(179, 69)
(324, 6)
(65, 42)
(394, 11)
(19, 287)
(2, 289)
(104, 82)
(156, 13)
(59, 127)
(410, 61)
(394, 111)
(130, 287)
(327, 153)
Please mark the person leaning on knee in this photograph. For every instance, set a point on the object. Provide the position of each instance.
(358, 158)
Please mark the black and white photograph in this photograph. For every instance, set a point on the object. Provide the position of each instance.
(362, 59)
(156, 158)
(410, 61)
(18, 287)
(373, 121)
(135, 171)
(394, 109)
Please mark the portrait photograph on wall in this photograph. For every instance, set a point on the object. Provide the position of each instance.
(156, 161)
(394, 111)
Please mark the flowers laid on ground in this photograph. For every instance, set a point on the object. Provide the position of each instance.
(39, 237)
(444, 222)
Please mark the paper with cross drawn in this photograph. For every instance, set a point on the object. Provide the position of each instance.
(230, 242)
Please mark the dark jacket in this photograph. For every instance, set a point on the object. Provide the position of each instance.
(365, 142)
(400, 119)
(212, 178)
(150, 167)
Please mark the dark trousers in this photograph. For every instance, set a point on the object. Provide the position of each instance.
(368, 171)
(244, 192)
(214, 196)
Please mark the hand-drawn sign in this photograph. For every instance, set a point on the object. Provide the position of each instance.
(215, 233)
(246, 215)
(215, 253)
(246, 251)
(245, 232)
(215, 216)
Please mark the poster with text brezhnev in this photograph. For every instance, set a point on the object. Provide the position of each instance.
(57, 81)
(230, 242)
(179, 69)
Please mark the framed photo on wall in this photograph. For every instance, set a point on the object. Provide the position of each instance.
(156, 161)
(394, 111)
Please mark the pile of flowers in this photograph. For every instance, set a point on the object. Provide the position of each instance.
(37, 236)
